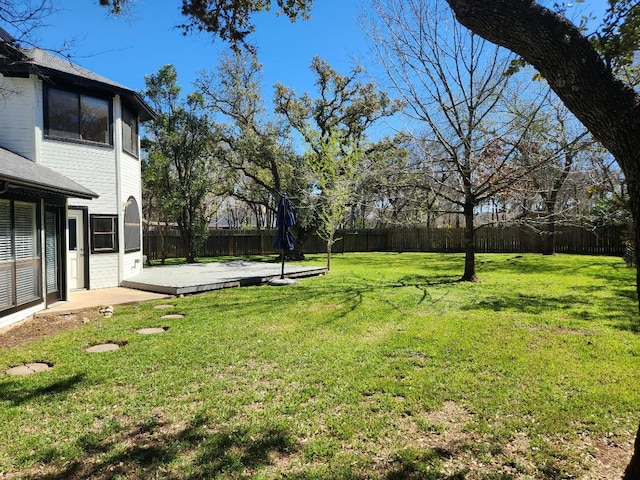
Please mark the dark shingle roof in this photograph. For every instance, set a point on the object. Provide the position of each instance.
(20, 61)
(5, 36)
(20, 172)
(44, 59)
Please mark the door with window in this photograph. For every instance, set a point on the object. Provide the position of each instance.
(76, 255)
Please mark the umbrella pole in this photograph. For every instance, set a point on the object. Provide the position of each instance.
(284, 239)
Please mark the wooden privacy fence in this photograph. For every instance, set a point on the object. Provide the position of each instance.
(239, 243)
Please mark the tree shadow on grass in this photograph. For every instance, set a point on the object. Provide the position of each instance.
(626, 320)
(422, 465)
(523, 303)
(16, 392)
(619, 309)
(156, 449)
(551, 264)
(345, 298)
(199, 451)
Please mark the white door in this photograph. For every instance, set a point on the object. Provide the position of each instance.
(75, 256)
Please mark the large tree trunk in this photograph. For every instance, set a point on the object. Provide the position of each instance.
(189, 245)
(633, 469)
(302, 234)
(574, 70)
(469, 245)
(549, 247)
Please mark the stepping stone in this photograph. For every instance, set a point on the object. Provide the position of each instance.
(173, 315)
(29, 369)
(164, 305)
(149, 331)
(105, 347)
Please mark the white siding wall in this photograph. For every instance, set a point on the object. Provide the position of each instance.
(103, 270)
(96, 168)
(91, 167)
(18, 103)
(130, 186)
(132, 264)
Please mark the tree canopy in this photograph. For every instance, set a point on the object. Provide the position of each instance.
(230, 20)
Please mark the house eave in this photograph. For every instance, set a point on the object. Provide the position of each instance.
(20, 173)
(20, 185)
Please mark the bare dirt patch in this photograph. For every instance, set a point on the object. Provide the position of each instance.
(462, 450)
(45, 326)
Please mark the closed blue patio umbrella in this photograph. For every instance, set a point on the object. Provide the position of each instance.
(284, 221)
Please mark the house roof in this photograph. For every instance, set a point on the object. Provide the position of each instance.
(5, 36)
(17, 171)
(15, 60)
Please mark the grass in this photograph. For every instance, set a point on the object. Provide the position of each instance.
(385, 368)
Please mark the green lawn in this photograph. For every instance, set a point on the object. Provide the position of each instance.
(385, 368)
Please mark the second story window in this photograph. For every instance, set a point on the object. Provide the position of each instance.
(76, 116)
(129, 132)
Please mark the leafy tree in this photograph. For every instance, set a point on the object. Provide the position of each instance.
(230, 20)
(258, 150)
(156, 204)
(334, 127)
(182, 157)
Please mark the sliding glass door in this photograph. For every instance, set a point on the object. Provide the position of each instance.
(20, 261)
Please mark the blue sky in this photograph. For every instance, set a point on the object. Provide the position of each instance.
(126, 48)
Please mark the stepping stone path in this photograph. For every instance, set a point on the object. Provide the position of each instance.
(163, 306)
(173, 315)
(150, 331)
(104, 347)
(29, 368)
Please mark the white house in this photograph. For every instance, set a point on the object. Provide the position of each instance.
(70, 183)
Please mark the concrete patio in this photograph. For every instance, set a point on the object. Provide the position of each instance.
(84, 299)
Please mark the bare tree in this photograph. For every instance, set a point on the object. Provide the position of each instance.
(395, 191)
(556, 148)
(453, 83)
(23, 18)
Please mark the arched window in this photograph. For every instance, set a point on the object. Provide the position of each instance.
(131, 226)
